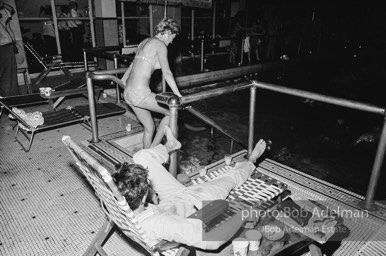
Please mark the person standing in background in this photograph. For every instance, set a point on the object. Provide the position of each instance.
(48, 31)
(77, 31)
(65, 33)
(8, 49)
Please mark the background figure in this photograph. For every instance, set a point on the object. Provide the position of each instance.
(256, 33)
(273, 30)
(65, 33)
(48, 31)
(77, 31)
(8, 66)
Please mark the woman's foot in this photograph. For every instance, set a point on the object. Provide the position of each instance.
(259, 149)
(171, 142)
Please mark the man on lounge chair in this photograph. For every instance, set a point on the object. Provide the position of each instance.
(168, 220)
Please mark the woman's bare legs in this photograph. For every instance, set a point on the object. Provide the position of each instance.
(144, 116)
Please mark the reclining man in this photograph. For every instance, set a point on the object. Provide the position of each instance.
(168, 220)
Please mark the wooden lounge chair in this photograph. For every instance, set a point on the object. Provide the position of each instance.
(57, 118)
(115, 207)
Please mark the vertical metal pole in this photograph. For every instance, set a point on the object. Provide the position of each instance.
(202, 55)
(123, 23)
(55, 19)
(173, 103)
(192, 26)
(151, 19)
(214, 21)
(85, 60)
(368, 204)
(91, 16)
(242, 51)
(252, 107)
(163, 84)
(118, 92)
(91, 102)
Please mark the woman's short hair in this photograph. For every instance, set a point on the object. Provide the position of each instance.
(132, 182)
(165, 25)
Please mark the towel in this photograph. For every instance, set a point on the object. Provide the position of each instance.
(32, 119)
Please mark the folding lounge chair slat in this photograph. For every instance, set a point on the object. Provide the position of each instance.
(101, 109)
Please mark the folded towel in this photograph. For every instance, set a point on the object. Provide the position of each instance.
(33, 119)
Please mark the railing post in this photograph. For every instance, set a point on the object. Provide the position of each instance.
(202, 55)
(85, 60)
(174, 103)
(118, 92)
(368, 204)
(91, 101)
(252, 107)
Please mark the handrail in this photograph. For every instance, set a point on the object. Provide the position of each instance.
(320, 97)
(174, 102)
(368, 204)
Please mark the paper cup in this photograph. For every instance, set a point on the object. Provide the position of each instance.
(203, 171)
(228, 159)
(48, 91)
(254, 237)
(240, 246)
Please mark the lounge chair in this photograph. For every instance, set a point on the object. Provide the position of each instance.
(57, 118)
(69, 88)
(115, 207)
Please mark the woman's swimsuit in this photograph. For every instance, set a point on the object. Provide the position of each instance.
(136, 97)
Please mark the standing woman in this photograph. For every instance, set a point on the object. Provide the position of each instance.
(152, 54)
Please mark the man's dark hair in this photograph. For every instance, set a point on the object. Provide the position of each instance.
(132, 182)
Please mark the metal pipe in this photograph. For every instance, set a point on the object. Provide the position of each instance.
(192, 26)
(91, 102)
(321, 98)
(118, 93)
(85, 60)
(90, 15)
(202, 55)
(209, 121)
(53, 9)
(376, 172)
(107, 77)
(123, 23)
(214, 21)
(252, 108)
(151, 20)
(173, 103)
(215, 92)
(97, 74)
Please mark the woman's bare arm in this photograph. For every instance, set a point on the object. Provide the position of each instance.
(167, 73)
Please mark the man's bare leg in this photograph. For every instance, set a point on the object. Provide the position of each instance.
(171, 142)
(259, 149)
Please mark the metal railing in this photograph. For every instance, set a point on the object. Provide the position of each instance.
(175, 103)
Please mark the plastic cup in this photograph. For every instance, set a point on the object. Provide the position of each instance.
(128, 127)
(254, 237)
(240, 246)
(203, 171)
(228, 159)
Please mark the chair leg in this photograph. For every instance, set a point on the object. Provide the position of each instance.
(98, 241)
(25, 133)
